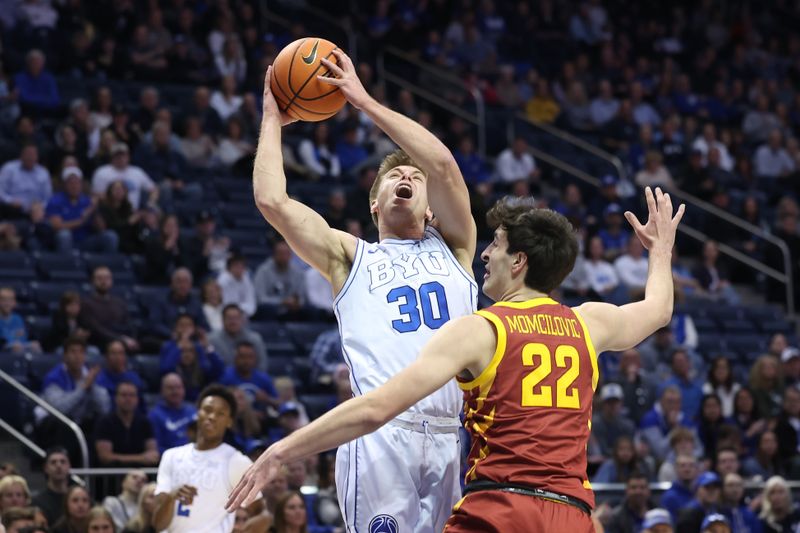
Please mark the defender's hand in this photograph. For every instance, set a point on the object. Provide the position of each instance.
(346, 79)
(661, 225)
(254, 479)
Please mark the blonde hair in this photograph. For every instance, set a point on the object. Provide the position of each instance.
(98, 511)
(398, 158)
(767, 514)
(14, 479)
(142, 518)
(757, 381)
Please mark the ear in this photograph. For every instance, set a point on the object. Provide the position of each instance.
(519, 263)
(373, 207)
(428, 215)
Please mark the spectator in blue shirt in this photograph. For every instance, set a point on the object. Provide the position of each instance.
(349, 151)
(257, 385)
(680, 493)
(24, 184)
(37, 88)
(743, 520)
(682, 379)
(191, 356)
(614, 237)
(656, 424)
(171, 416)
(473, 167)
(71, 214)
(178, 301)
(116, 370)
(13, 333)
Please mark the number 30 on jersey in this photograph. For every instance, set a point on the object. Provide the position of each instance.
(427, 305)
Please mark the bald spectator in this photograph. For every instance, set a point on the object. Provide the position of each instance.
(178, 301)
(171, 416)
(771, 160)
(24, 185)
(136, 180)
(105, 314)
(38, 91)
(279, 283)
(200, 107)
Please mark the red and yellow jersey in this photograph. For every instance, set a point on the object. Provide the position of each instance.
(529, 412)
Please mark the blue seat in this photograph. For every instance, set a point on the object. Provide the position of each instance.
(304, 334)
(147, 297)
(14, 259)
(47, 294)
(281, 366)
(770, 327)
(746, 343)
(709, 344)
(705, 324)
(58, 266)
(148, 368)
(115, 262)
(738, 325)
(39, 366)
(721, 312)
(39, 327)
(16, 365)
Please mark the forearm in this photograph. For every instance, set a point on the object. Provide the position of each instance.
(423, 146)
(269, 181)
(659, 290)
(164, 511)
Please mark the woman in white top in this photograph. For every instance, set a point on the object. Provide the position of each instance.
(231, 61)
(720, 382)
(234, 146)
(603, 279)
(101, 114)
(654, 172)
(225, 101)
(317, 154)
(212, 304)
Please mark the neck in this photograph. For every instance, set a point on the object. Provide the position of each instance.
(521, 294)
(126, 417)
(245, 374)
(410, 228)
(205, 443)
(58, 485)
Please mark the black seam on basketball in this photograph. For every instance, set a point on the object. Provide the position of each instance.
(297, 92)
(298, 106)
(286, 94)
(326, 73)
(291, 64)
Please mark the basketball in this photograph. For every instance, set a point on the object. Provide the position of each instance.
(295, 85)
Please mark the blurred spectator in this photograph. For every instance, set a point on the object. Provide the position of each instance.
(201, 108)
(140, 523)
(70, 386)
(654, 172)
(577, 113)
(709, 424)
(257, 385)
(24, 184)
(742, 518)
(778, 511)
(767, 459)
(279, 282)
(99, 519)
(231, 61)
(349, 151)
(678, 496)
(707, 141)
(601, 275)
(712, 278)
(542, 107)
(67, 144)
(288, 422)
(747, 418)
(105, 314)
(628, 516)
(637, 386)
(247, 424)
(100, 115)
(666, 415)
(515, 163)
(211, 294)
(605, 106)
(632, 269)
(507, 89)
(145, 113)
(615, 238)
(237, 285)
(657, 351)
(318, 153)
(336, 214)
(177, 302)
(72, 215)
(147, 55)
(13, 333)
(75, 517)
(232, 333)
(622, 464)
(116, 371)
(771, 160)
(205, 250)
(234, 149)
(326, 356)
(163, 251)
(124, 437)
(319, 294)
(118, 216)
(608, 423)
(287, 393)
(14, 492)
(657, 520)
(197, 147)
(473, 167)
(125, 505)
(759, 121)
(56, 470)
(682, 378)
(707, 499)
(171, 415)
(17, 519)
(134, 178)
(720, 383)
(37, 88)
(191, 356)
(787, 428)
(291, 513)
(225, 101)
(766, 383)
(790, 366)
(682, 441)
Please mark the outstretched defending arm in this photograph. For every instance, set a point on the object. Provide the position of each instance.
(303, 228)
(621, 328)
(467, 342)
(447, 192)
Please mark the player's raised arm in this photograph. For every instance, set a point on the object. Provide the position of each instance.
(621, 328)
(303, 228)
(468, 342)
(447, 192)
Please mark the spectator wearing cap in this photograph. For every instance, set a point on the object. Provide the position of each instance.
(608, 423)
(172, 414)
(71, 213)
(288, 421)
(715, 523)
(680, 492)
(683, 379)
(120, 169)
(742, 519)
(790, 366)
(657, 521)
(257, 385)
(24, 185)
(38, 91)
(628, 516)
(237, 285)
(516, 164)
(234, 332)
(615, 238)
(657, 424)
(778, 511)
(787, 428)
(632, 268)
(707, 500)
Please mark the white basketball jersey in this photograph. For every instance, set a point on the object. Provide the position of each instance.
(398, 293)
(214, 473)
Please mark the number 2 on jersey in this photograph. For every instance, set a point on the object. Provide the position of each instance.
(183, 510)
(566, 395)
(431, 298)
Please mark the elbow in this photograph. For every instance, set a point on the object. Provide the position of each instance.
(269, 203)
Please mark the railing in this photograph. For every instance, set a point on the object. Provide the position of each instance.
(32, 446)
(478, 118)
(25, 391)
(784, 277)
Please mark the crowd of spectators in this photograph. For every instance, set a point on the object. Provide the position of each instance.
(128, 131)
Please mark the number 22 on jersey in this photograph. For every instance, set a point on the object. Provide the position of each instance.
(534, 394)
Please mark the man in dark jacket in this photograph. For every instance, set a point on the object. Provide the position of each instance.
(106, 315)
(628, 516)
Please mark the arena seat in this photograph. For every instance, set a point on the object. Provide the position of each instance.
(16, 266)
(317, 404)
(739, 325)
(304, 334)
(148, 368)
(705, 324)
(39, 366)
(47, 294)
(770, 327)
(56, 266)
(38, 327)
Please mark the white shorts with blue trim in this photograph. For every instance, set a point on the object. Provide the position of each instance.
(405, 477)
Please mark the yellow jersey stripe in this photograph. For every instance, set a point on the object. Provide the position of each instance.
(544, 300)
(489, 372)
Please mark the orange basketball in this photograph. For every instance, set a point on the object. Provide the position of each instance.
(295, 85)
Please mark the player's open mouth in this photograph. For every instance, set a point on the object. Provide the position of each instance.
(404, 191)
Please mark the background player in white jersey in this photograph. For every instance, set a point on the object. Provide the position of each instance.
(194, 479)
(391, 297)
